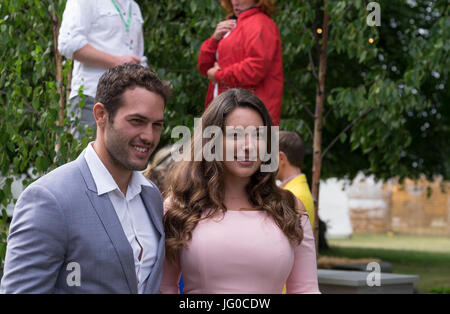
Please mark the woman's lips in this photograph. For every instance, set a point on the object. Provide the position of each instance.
(246, 164)
(246, 161)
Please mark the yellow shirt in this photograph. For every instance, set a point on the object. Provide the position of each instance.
(299, 187)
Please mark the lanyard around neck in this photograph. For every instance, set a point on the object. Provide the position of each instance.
(127, 23)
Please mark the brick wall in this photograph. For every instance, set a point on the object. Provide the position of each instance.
(421, 207)
(414, 207)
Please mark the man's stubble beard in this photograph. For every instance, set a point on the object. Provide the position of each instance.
(118, 150)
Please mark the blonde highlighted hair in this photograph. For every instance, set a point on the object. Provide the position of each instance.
(266, 6)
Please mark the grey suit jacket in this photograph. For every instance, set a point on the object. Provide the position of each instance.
(64, 238)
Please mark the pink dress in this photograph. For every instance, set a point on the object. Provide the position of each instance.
(244, 252)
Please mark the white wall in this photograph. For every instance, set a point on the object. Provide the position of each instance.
(338, 197)
(333, 208)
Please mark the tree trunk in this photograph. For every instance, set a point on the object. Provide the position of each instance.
(59, 75)
(317, 148)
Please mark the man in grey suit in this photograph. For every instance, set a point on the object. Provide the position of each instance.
(94, 225)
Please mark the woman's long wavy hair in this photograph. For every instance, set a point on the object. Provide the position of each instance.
(266, 6)
(196, 189)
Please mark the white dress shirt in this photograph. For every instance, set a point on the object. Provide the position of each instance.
(130, 210)
(97, 22)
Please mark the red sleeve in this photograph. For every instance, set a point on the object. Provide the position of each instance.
(207, 55)
(260, 44)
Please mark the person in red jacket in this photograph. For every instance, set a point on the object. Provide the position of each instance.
(245, 52)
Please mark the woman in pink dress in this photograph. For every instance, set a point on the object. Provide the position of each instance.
(229, 228)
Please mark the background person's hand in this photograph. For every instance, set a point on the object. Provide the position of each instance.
(93, 57)
(212, 71)
(127, 59)
(222, 28)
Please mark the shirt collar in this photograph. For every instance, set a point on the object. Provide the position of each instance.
(105, 182)
(135, 186)
(286, 181)
(248, 12)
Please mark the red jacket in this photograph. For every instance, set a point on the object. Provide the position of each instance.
(250, 58)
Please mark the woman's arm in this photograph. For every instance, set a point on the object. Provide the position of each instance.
(170, 279)
(171, 273)
(303, 276)
(207, 55)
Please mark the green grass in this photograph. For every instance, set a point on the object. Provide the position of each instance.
(412, 243)
(427, 257)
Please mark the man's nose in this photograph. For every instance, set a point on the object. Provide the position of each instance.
(147, 136)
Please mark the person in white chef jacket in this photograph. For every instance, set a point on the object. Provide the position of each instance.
(98, 35)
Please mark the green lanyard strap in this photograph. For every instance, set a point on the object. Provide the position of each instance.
(127, 23)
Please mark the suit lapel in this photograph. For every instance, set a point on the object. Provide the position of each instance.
(153, 205)
(113, 227)
(107, 215)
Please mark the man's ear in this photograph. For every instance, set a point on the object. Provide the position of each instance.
(282, 157)
(100, 114)
(281, 161)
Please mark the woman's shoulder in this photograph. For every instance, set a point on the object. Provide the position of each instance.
(262, 18)
(261, 22)
(300, 207)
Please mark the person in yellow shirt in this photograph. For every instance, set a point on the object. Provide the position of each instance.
(291, 155)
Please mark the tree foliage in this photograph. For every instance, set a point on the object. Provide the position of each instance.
(400, 82)
(29, 101)
(402, 78)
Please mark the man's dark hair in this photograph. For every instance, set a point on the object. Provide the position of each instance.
(116, 80)
(292, 146)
